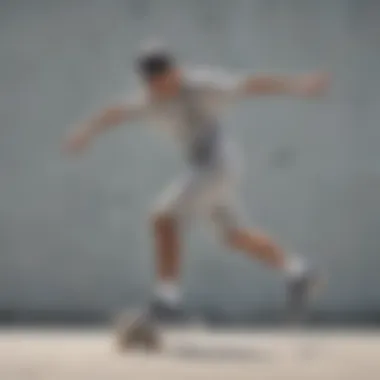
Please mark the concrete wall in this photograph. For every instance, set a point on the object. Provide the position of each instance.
(73, 233)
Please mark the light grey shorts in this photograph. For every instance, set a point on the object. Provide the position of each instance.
(205, 191)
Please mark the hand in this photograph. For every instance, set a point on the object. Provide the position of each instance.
(77, 141)
(316, 84)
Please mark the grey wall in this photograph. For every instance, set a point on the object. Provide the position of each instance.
(73, 233)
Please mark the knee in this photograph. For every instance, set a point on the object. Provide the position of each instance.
(230, 236)
(226, 226)
(162, 220)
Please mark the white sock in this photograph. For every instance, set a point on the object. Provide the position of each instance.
(168, 291)
(295, 266)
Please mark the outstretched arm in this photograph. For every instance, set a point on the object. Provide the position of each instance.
(106, 119)
(314, 84)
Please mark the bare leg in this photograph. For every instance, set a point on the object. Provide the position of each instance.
(166, 304)
(301, 282)
(258, 246)
(167, 248)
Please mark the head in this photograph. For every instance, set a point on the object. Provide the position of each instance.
(158, 69)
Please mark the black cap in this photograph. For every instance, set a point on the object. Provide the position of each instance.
(154, 60)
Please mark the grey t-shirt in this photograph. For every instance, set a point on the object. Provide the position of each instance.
(192, 116)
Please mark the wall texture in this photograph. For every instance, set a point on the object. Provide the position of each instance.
(73, 232)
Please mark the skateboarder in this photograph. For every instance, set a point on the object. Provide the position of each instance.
(186, 102)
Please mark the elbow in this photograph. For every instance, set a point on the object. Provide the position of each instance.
(113, 116)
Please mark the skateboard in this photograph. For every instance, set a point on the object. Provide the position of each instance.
(136, 330)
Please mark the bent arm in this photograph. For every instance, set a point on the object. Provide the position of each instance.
(300, 85)
(233, 87)
(106, 119)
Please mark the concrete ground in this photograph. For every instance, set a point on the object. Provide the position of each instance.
(193, 354)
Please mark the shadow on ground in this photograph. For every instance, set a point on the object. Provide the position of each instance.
(196, 352)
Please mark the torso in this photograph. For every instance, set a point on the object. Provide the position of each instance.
(192, 119)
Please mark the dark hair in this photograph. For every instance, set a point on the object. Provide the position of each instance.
(154, 61)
